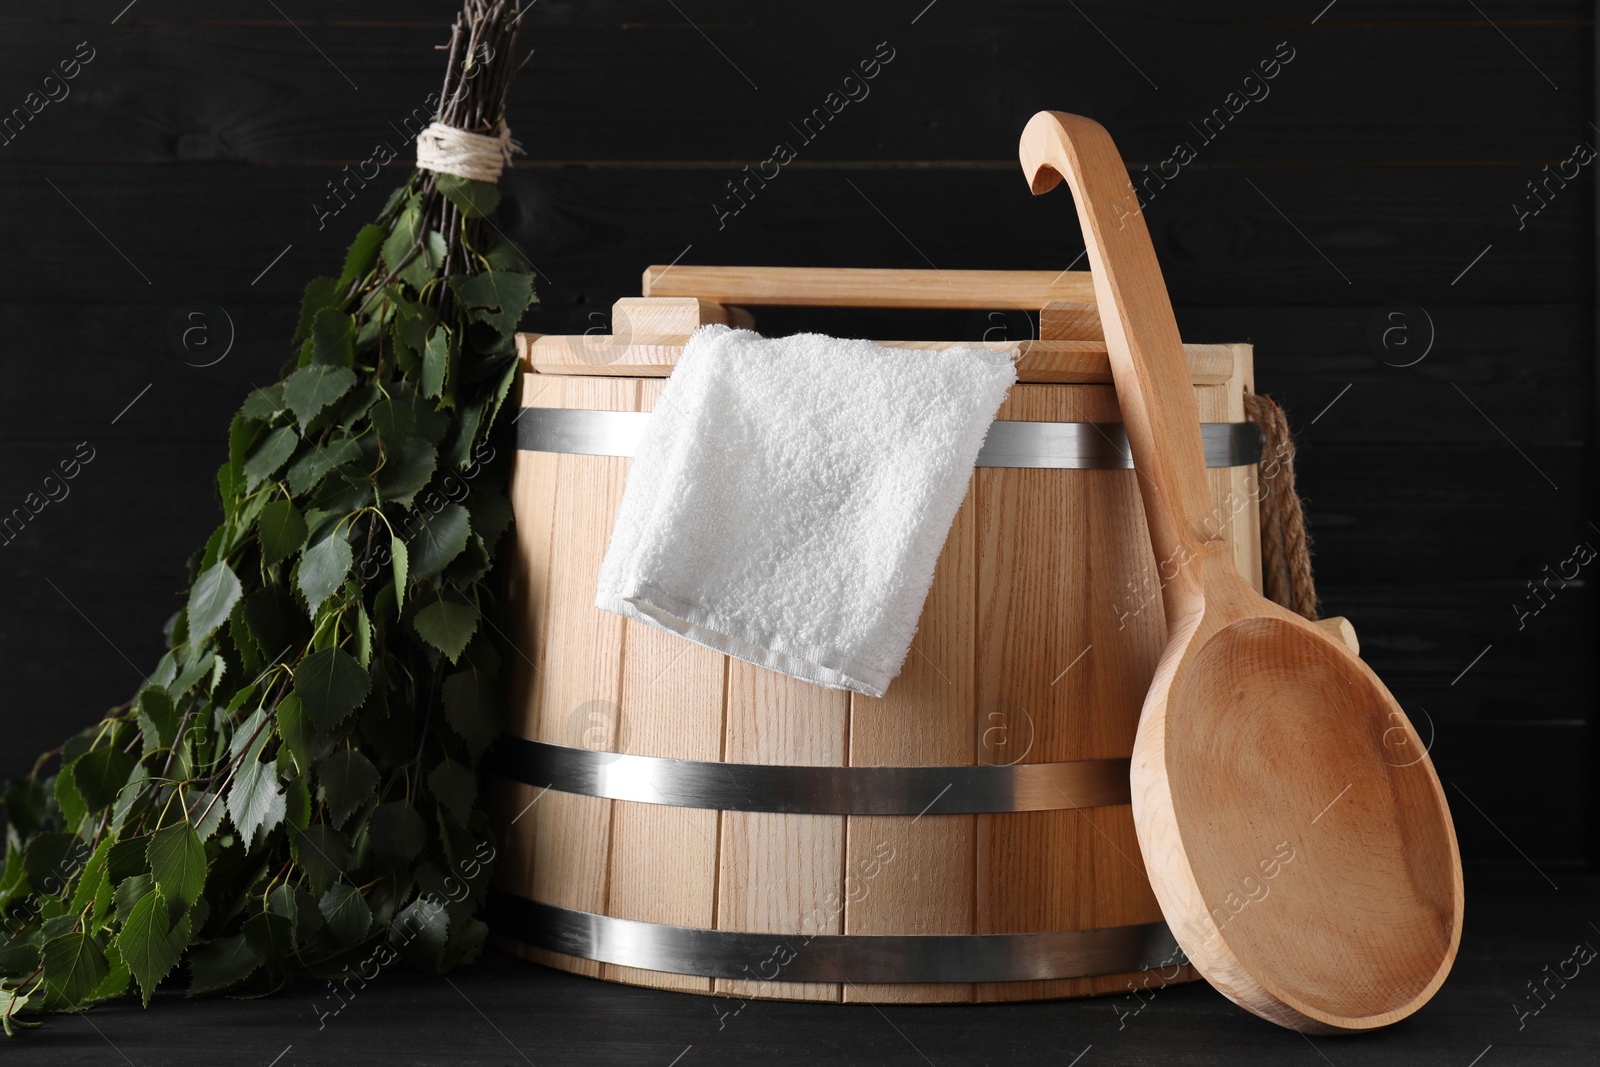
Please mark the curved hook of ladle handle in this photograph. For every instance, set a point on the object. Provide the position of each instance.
(1147, 360)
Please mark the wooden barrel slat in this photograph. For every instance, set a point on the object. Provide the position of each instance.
(1036, 663)
(671, 705)
(527, 598)
(580, 666)
(1040, 566)
(782, 873)
(895, 869)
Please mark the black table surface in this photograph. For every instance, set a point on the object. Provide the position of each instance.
(504, 1011)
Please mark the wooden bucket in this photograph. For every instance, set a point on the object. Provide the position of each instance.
(679, 819)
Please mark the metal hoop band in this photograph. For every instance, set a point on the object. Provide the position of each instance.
(833, 957)
(814, 790)
(1058, 445)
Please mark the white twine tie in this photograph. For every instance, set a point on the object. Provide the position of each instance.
(480, 157)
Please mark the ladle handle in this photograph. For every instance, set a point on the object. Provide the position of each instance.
(1147, 360)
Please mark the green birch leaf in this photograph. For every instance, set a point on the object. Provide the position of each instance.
(503, 255)
(297, 802)
(18, 959)
(425, 267)
(440, 539)
(48, 858)
(166, 670)
(402, 563)
(263, 402)
(363, 637)
(101, 774)
(133, 794)
(421, 932)
(298, 734)
(74, 809)
(193, 671)
(470, 712)
(407, 468)
(396, 833)
(471, 565)
(456, 788)
(156, 706)
(474, 199)
(74, 966)
(346, 780)
(211, 598)
(332, 343)
(346, 913)
(465, 945)
(126, 859)
(323, 853)
(178, 862)
(497, 297)
(116, 983)
(93, 881)
(330, 685)
(447, 625)
(27, 804)
(13, 1003)
(323, 569)
(436, 362)
(255, 800)
(268, 455)
(221, 965)
(243, 434)
(205, 811)
(307, 472)
(282, 530)
(310, 389)
(273, 620)
(363, 252)
(321, 293)
(270, 937)
(491, 513)
(403, 235)
(149, 942)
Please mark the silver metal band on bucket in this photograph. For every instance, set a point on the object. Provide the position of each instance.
(814, 790)
(862, 958)
(1057, 445)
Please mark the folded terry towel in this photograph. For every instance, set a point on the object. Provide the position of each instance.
(790, 497)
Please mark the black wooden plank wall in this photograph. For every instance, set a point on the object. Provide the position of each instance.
(1393, 201)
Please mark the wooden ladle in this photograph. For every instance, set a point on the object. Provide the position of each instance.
(1291, 821)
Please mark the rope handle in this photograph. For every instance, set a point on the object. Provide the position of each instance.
(1285, 543)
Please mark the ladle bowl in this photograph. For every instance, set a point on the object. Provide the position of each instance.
(1292, 825)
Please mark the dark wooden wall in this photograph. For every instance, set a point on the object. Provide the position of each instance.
(1382, 170)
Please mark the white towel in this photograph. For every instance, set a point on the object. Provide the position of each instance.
(790, 497)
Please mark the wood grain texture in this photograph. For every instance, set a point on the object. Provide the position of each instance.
(663, 859)
(1235, 491)
(1060, 664)
(1255, 716)
(989, 680)
(626, 355)
(782, 873)
(579, 686)
(915, 876)
(868, 287)
(668, 320)
(1060, 320)
(532, 494)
